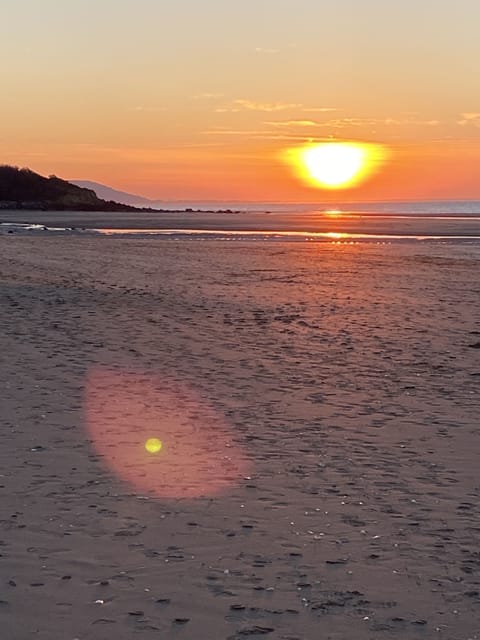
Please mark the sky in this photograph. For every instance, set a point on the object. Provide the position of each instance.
(199, 100)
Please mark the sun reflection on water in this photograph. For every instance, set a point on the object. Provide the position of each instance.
(333, 213)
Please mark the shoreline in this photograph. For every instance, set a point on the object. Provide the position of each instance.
(313, 224)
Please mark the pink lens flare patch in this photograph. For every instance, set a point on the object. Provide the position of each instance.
(160, 435)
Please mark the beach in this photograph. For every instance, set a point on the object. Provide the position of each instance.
(317, 406)
(410, 225)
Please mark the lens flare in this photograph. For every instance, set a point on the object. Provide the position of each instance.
(153, 445)
(336, 165)
(160, 436)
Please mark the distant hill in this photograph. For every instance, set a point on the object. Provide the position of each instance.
(107, 193)
(103, 191)
(25, 189)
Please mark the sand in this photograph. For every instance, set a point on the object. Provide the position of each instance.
(318, 408)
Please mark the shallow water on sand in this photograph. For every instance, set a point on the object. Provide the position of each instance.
(323, 226)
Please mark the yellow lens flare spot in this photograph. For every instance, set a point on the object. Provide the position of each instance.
(153, 445)
(336, 165)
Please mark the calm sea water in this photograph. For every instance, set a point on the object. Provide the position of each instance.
(457, 207)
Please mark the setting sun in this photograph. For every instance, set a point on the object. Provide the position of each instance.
(336, 165)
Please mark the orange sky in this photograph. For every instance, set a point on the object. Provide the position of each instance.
(198, 100)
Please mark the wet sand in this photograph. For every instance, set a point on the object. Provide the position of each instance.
(334, 391)
(314, 221)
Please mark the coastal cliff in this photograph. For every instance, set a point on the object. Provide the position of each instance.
(25, 189)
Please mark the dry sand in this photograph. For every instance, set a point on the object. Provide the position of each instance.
(333, 392)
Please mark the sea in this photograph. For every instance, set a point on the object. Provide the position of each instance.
(427, 207)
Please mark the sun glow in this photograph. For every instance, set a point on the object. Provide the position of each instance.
(333, 213)
(336, 165)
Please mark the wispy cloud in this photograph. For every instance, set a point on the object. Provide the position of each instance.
(291, 123)
(251, 105)
(266, 50)
(261, 134)
(245, 104)
(304, 130)
(345, 123)
(232, 132)
(147, 109)
(407, 121)
(208, 96)
(319, 109)
(332, 123)
(470, 118)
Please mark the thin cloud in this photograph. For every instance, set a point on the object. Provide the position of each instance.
(343, 123)
(147, 109)
(407, 121)
(208, 96)
(470, 118)
(250, 105)
(231, 132)
(319, 109)
(305, 130)
(334, 123)
(266, 51)
(292, 123)
(262, 135)
(227, 110)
